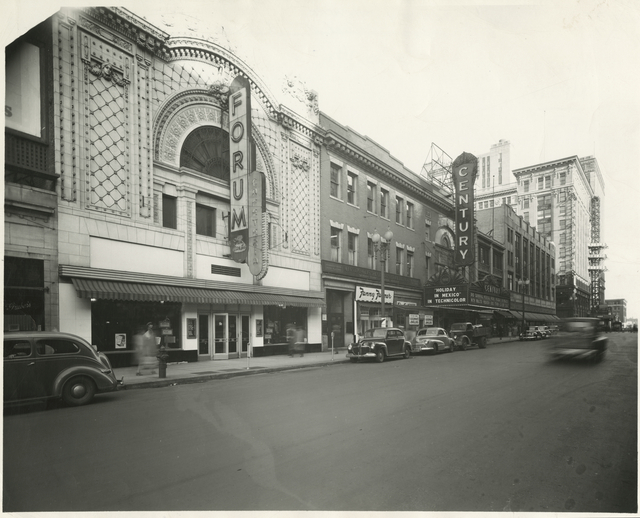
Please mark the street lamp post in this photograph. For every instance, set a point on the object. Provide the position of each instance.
(522, 283)
(381, 244)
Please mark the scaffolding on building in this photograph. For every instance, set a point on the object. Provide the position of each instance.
(437, 168)
(596, 258)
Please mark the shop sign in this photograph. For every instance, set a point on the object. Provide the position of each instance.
(488, 300)
(428, 320)
(414, 319)
(257, 209)
(464, 169)
(406, 303)
(446, 295)
(364, 294)
(240, 163)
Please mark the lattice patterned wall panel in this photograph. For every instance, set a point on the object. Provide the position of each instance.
(299, 202)
(106, 118)
(109, 151)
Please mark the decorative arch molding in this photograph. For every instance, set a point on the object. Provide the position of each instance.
(445, 232)
(228, 64)
(180, 115)
(186, 111)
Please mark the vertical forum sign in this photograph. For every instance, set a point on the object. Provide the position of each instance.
(240, 163)
(464, 170)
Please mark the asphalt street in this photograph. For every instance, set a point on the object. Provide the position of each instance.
(499, 429)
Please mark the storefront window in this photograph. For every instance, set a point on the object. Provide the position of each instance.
(276, 320)
(110, 318)
(23, 294)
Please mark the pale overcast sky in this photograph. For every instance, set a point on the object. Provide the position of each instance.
(555, 78)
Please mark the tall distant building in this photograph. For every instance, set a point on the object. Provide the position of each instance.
(618, 308)
(563, 200)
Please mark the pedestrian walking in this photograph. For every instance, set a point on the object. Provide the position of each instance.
(300, 343)
(291, 339)
(146, 350)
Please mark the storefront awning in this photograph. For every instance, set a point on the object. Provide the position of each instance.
(503, 313)
(112, 290)
(516, 314)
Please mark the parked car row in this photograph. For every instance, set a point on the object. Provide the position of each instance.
(536, 333)
(573, 338)
(387, 342)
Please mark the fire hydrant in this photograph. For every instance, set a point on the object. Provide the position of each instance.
(162, 362)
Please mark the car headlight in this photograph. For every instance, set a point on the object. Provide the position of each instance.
(349, 347)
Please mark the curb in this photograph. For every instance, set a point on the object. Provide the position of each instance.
(166, 382)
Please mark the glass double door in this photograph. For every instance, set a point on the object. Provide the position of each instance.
(226, 337)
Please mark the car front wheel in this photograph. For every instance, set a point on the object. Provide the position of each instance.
(407, 353)
(379, 355)
(452, 347)
(78, 391)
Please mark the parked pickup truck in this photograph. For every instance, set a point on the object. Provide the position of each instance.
(467, 334)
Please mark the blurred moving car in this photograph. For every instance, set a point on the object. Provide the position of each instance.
(433, 339)
(578, 338)
(380, 343)
(44, 365)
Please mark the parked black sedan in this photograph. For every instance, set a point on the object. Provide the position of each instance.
(44, 365)
(380, 343)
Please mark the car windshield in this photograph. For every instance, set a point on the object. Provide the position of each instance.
(375, 333)
(429, 331)
(577, 327)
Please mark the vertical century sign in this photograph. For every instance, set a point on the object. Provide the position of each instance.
(464, 170)
(240, 163)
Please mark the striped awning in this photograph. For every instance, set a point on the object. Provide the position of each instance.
(113, 290)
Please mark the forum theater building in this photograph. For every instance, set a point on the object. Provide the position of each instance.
(188, 195)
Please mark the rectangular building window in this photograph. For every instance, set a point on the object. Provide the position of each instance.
(371, 254)
(525, 185)
(547, 181)
(525, 204)
(352, 246)
(336, 173)
(205, 220)
(525, 216)
(352, 188)
(497, 260)
(563, 178)
(336, 244)
(384, 203)
(540, 183)
(409, 270)
(399, 210)
(399, 253)
(169, 211)
(426, 266)
(409, 215)
(371, 197)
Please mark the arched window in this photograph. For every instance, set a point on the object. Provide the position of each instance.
(206, 150)
(445, 241)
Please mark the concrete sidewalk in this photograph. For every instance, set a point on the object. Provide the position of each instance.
(196, 372)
